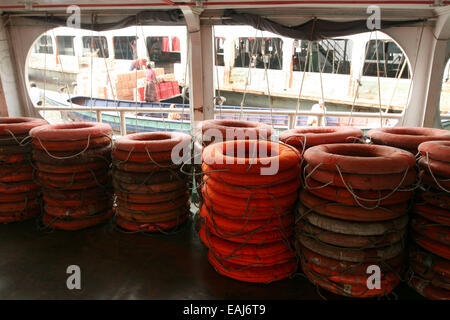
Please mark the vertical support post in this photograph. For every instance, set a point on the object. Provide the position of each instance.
(99, 116)
(208, 70)
(291, 121)
(201, 62)
(123, 124)
(427, 60)
(11, 99)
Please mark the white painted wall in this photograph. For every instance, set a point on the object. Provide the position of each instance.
(7, 75)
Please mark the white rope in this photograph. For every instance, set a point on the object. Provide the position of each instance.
(434, 178)
(68, 157)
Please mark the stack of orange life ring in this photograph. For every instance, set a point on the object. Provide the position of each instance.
(248, 211)
(217, 130)
(18, 191)
(430, 227)
(150, 189)
(407, 138)
(73, 163)
(306, 137)
(353, 214)
(224, 130)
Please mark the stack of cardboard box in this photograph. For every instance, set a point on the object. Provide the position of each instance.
(125, 84)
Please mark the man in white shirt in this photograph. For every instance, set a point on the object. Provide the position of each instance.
(35, 94)
(314, 120)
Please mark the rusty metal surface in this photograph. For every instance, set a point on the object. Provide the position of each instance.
(115, 265)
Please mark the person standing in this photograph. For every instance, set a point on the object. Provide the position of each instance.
(151, 93)
(35, 94)
(316, 120)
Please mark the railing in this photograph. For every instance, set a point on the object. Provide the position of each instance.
(291, 114)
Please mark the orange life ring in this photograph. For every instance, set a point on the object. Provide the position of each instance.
(19, 215)
(152, 141)
(234, 129)
(357, 228)
(429, 260)
(264, 192)
(15, 149)
(314, 136)
(346, 240)
(16, 140)
(72, 145)
(31, 204)
(251, 214)
(427, 274)
(438, 168)
(350, 277)
(436, 150)
(71, 131)
(72, 177)
(149, 227)
(88, 156)
(440, 249)
(19, 125)
(363, 181)
(349, 212)
(257, 274)
(84, 194)
(147, 178)
(359, 158)
(151, 208)
(150, 198)
(19, 187)
(256, 237)
(341, 266)
(264, 254)
(444, 183)
(141, 157)
(50, 168)
(434, 214)
(75, 224)
(75, 203)
(349, 285)
(280, 156)
(252, 179)
(249, 203)
(150, 188)
(77, 212)
(145, 217)
(14, 158)
(431, 229)
(406, 137)
(18, 197)
(75, 184)
(350, 254)
(440, 199)
(227, 227)
(17, 176)
(366, 198)
(15, 168)
(428, 290)
(142, 167)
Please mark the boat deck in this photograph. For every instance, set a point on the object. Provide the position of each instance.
(115, 265)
